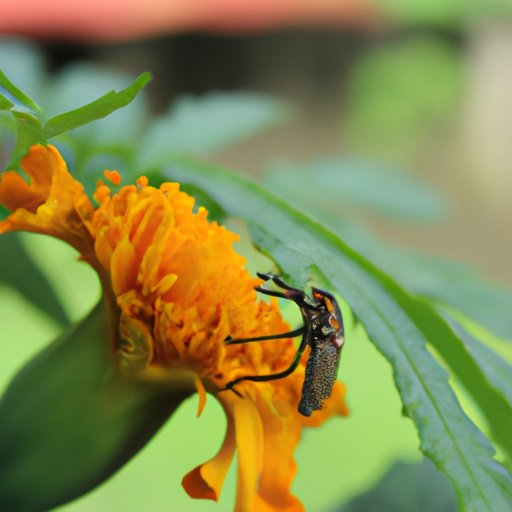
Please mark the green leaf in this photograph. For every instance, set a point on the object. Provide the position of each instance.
(406, 487)
(5, 104)
(81, 83)
(343, 184)
(461, 287)
(28, 119)
(18, 97)
(18, 269)
(96, 110)
(299, 246)
(497, 371)
(210, 123)
(68, 420)
(452, 349)
(447, 283)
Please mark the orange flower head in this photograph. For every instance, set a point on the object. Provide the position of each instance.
(179, 290)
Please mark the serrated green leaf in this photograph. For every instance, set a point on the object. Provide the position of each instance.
(443, 281)
(17, 269)
(18, 96)
(201, 125)
(68, 420)
(95, 110)
(493, 405)
(298, 244)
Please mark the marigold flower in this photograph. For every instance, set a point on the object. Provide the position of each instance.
(178, 290)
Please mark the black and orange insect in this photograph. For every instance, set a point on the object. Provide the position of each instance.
(322, 331)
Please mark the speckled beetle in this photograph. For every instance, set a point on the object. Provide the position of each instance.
(322, 331)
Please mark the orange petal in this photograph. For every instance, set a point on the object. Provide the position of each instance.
(40, 164)
(16, 193)
(249, 443)
(123, 267)
(113, 176)
(202, 395)
(206, 480)
(142, 181)
(282, 435)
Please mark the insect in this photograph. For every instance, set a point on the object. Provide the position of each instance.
(322, 331)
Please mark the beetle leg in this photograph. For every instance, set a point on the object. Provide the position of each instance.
(279, 282)
(292, 294)
(274, 376)
(291, 334)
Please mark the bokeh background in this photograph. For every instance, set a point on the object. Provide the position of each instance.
(397, 134)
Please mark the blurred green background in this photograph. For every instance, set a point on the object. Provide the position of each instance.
(414, 118)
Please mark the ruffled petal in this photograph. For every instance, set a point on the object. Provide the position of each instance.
(40, 165)
(282, 435)
(206, 480)
(53, 203)
(16, 193)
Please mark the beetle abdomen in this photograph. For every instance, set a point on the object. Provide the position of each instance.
(321, 372)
